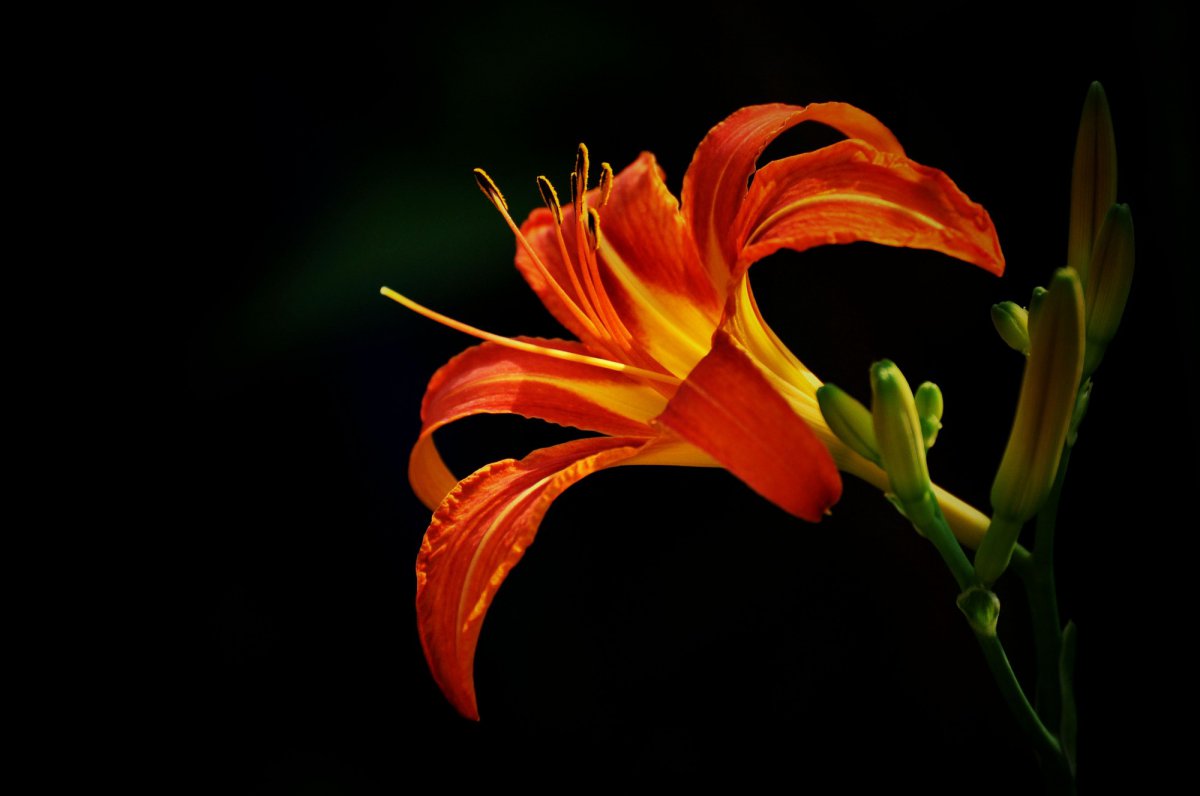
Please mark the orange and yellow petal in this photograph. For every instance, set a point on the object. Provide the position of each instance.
(493, 379)
(850, 191)
(652, 272)
(477, 535)
(715, 183)
(745, 323)
(729, 408)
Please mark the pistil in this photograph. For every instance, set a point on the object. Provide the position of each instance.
(532, 348)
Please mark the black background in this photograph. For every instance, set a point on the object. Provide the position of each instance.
(669, 625)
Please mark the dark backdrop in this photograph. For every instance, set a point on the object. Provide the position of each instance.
(668, 625)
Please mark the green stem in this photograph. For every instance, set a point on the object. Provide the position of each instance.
(1022, 562)
(933, 525)
(1043, 603)
(1055, 768)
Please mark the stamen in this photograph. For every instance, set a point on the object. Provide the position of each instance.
(606, 183)
(580, 294)
(585, 255)
(550, 197)
(521, 345)
(579, 181)
(490, 190)
(590, 229)
(587, 241)
(581, 169)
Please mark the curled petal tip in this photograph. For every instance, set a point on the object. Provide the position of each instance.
(478, 534)
(850, 191)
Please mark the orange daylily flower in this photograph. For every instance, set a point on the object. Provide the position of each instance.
(673, 364)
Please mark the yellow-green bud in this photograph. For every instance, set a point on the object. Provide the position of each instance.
(1093, 179)
(929, 409)
(1012, 322)
(1044, 412)
(849, 420)
(901, 443)
(1106, 288)
(1035, 303)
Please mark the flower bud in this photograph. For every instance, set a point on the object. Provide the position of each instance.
(1012, 322)
(1093, 179)
(1106, 288)
(901, 443)
(1044, 411)
(849, 420)
(929, 411)
(1035, 303)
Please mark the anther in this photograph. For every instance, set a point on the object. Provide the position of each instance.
(490, 190)
(579, 180)
(550, 197)
(581, 167)
(606, 183)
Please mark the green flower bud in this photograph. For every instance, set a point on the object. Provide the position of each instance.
(1044, 411)
(1093, 179)
(1106, 288)
(1035, 304)
(849, 420)
(1012, 322)
(901, 443)
(929, 410)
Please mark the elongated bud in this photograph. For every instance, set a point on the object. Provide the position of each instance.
(929, 411)
(1035, 303)
(1093, 179)
(1106, 288)
(1044, 411)
(901, 443)
(849, 420)
(1012, 322)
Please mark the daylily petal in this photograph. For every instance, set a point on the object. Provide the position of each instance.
(652, 270)
(730, 409)
(745, 323)
(477, 535)
(715, 183)
(850, 191)
(491, 379)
